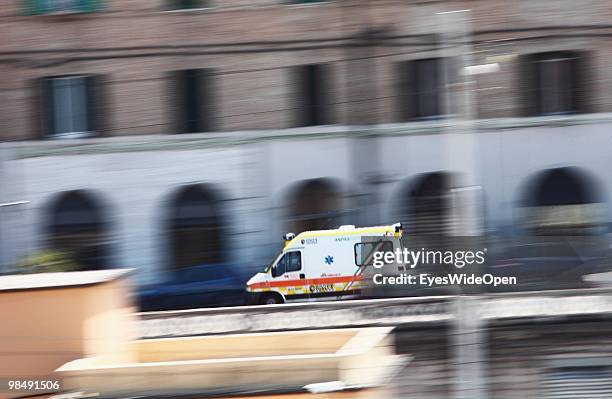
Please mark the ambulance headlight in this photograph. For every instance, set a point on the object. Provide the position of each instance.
(288, 236)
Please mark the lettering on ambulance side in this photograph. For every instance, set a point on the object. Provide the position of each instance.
(322, 288)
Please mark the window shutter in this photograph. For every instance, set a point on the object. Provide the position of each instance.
(583, 82)
(529, 87)
(192, 90)
(301, 88)
(177, 101)
(324, 94)
(406, 91)
(311, 97)
(304, 117)
(92, 106)
(193, 106)
(43, 98)
(206, 101)
(317, 75)
(96, 89)
(427, 86)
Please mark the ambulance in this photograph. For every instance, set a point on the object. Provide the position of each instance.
(322, 264)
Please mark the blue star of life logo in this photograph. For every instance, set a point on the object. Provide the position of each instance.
(329, 259)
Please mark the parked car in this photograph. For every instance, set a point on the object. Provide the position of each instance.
(212, 285)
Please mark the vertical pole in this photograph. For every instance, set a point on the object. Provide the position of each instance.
(361, 108)
(459, 107)
(468, 335)
(469, 354)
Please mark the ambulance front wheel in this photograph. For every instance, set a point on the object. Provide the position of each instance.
(271, 299)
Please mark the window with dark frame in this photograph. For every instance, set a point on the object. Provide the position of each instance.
(195, 227)
(187, 4)
(78, 226)
(38, 7)
(70, 105)
(420, 89)
(192, 101)
(312, 102)
(552, 83)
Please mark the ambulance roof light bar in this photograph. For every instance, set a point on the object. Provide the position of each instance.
(398, 227)
(288, 237)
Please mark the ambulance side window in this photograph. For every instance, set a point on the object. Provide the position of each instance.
(294, 261)
(290, 262)
(364, 251)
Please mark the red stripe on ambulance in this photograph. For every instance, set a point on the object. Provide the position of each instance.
(312, 281)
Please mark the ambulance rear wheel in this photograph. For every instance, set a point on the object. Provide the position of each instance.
(271, 299)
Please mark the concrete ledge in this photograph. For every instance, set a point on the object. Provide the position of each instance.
(135, 143)
(356, 358)
(372, 312)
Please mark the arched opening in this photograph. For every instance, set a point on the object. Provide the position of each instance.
(314, 204)
(195, 227)
(426, 204)
(77, 225)
(562, 201)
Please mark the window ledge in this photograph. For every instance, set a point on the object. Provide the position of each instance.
(305, 5)
(551, 120)
(64, 13)
(59, 13)
(72, 135)
(190, 10)
(73, 143)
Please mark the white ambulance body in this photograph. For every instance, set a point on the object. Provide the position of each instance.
(321, 265)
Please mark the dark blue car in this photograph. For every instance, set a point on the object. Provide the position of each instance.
(196, 287)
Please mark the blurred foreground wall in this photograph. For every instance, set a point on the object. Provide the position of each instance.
(55, 318)
(538, 344)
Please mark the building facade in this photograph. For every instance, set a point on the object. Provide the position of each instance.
(164, 134)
